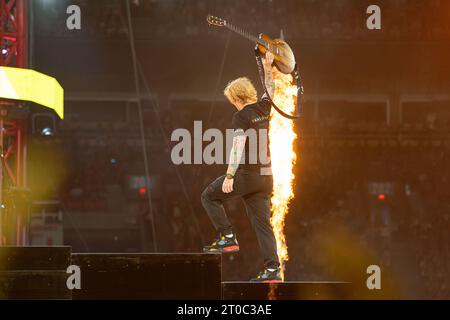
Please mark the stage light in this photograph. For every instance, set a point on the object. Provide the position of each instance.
(381, 196)
(142, 191)
(47, 131)
(43, 124)
(4, 51)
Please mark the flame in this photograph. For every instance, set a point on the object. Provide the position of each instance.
(272, 294)
(283, 157)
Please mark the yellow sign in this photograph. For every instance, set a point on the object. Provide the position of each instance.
(30, 85)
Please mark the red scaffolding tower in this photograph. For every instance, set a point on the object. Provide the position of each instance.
(13, 146)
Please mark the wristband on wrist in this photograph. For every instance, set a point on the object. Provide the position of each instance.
(229, 176)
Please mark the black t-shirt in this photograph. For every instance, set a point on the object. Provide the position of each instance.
(253, 121)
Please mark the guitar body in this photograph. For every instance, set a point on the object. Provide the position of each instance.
(284, 58)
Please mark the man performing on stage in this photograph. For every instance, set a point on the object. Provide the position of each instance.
(251, 181)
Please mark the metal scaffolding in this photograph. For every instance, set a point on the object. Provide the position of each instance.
(13, 142)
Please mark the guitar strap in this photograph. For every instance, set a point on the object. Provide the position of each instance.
(297, 80)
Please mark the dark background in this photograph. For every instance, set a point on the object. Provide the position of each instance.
(376, 121)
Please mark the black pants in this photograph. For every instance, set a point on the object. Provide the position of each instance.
(255, 189)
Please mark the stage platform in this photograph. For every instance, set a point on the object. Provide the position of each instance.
(288, 290)
(149, 276)
(34, 272)
(41, 273)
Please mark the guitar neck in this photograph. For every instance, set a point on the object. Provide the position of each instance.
(245, 34)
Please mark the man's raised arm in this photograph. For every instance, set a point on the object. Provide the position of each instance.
(268, 76)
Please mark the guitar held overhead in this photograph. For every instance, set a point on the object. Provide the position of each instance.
(284, 59)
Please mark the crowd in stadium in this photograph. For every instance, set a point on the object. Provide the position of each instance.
(401, 20)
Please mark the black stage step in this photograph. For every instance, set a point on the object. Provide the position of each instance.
(40, 273)
(34, 272)
(289, 290)
(149, 276)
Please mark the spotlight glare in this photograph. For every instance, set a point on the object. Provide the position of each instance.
(47, 132)
(142, 191)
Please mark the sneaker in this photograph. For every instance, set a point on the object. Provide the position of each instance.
(272, 275)
(223, 244)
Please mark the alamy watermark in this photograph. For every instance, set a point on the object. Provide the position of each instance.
(73, 21)
(374, 280)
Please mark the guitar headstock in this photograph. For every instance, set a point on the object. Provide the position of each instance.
(216, 21)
